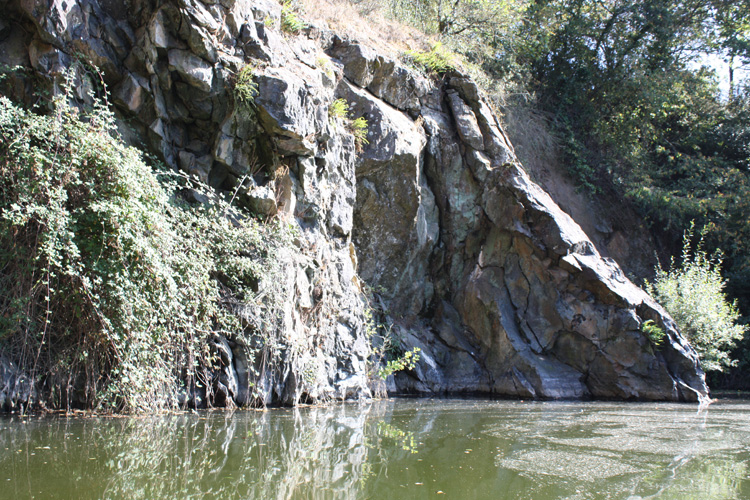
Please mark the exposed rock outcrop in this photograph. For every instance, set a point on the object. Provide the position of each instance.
(502, 291)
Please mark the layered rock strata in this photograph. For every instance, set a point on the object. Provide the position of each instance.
(476, 265)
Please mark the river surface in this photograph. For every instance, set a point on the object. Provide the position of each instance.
(395, 449)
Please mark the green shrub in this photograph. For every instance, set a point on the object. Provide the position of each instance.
(290, 20)
(245, 88)
(693, 293)
(111, 284)
(438, 59)
(407, 361)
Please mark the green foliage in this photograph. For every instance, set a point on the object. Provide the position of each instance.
(338, 109)
(245, 88)
(359, 130)
(111, 284)
(438, 59)
(693, 293)
(324, 63)
(654, 333)
(407, 361)
(290, 20)
(388, 354)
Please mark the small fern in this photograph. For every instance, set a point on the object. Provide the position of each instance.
(359, 130)
(654, 333)
(338, 109)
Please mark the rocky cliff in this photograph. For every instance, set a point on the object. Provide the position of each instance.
(471, 261)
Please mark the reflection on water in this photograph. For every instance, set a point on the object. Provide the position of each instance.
(463, 449)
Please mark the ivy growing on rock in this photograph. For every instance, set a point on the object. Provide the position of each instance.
(112, 283)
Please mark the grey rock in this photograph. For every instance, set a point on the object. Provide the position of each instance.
(359, 61)
(261, 200)
(194, 70)
(226, 382)
(466, 122)
(286, 111)
(395, 213)
(158, 30)
(47, 59)
(132, 93)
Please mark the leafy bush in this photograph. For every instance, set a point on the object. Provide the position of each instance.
(407, 361)
(245, 88)
(438, 59)
(693, 293)
(111, 284)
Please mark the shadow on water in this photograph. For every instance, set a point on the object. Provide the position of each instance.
(465, 449)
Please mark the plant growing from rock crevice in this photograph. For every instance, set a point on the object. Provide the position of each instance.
(388, 353)
(339, 111)
(245, 87)
(358, 126)
(655, 334)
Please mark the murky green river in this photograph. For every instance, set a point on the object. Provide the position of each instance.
(397, 449)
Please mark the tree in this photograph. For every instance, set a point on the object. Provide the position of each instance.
(732, 37)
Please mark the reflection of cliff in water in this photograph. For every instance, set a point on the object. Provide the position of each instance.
(280, 454)
(413, 449)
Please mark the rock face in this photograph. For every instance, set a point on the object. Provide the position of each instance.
(475, 264)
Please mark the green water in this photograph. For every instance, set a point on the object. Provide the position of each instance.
(397, 449)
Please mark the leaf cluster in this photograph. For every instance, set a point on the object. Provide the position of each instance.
(654, 332)
(339, 110)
